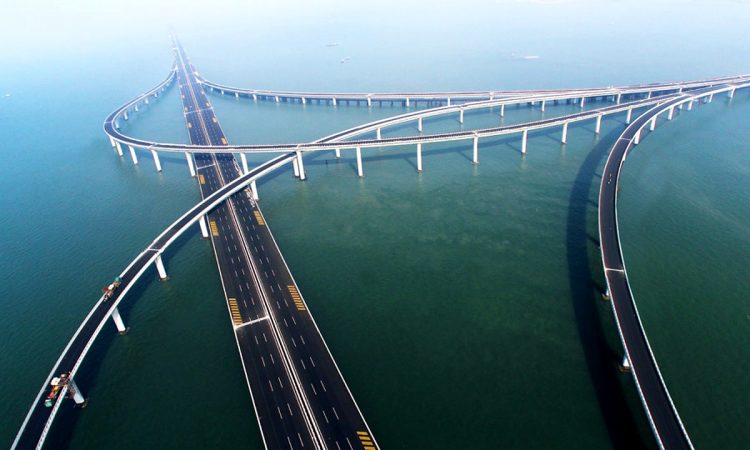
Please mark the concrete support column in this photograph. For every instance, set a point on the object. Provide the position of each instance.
(543, 103)
(461, 116)
(524, 138)
(301, 165)
(502, 110)
(652, 125)
(369, 102)
(583, 101)
(407, 102)
(304, 102)
(295, 166)
(75, 392)
(277, 99)
(117, 319)
(254, 190)
(191, 167)
(359, 162)
(475, 153)
(637, 137)
(619, 97)
(564, 138)
(629, 116)
(419, 124)
(222, 92)
(146, 100)
(255, 97)
(204, 227)
(419, 157)
(649, 94)
(236, 95)
(133, 156)
(160, 268)
(338, 153)
(157, 163)
(125, 116)
(112, 141)
(710, 98)
(333, 101)
(119, 149)
(377, 133)
(449, 101)
(670, 113)
(690, 105)
(598, 124)
(136, 107)
(731, 94)
(243, 159)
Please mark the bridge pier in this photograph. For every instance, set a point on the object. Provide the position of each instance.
(295, 166)
(619, 97)
(191, 167)
(112, 141)
(145, 100)
(243, 159)
(125, 116)
(301, 166)
(236, 95)
(652, 126)
(419, 157)
(254, 190)
(160, 268)
(117, 319)
(119, 149)
(598, 127)
(360, 173)
(255, 97)
(136, 107)
(157, 163)
(75, 393)
(304, 102)
(407, 102)
(502, 110)
(475, 153)
(204, 227)
(629, 116)
(583, 101)
(133, 156)
(710, 98)
(524, 138)
(625, 365)
(731, 93)
(670, 113)
(649, 95)
(637, 137)
(377, 133)
(542, 106)
(461, 116)
(564, 138)
(449, 101)
(369, 102)
(337, 151)
(419, 124)
(277, 99)
(690, 105)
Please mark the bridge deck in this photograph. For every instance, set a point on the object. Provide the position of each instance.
(300, 397)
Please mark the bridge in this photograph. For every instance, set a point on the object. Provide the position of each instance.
(662, 414)
(291, 410)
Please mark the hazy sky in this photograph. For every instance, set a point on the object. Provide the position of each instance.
(681, 30)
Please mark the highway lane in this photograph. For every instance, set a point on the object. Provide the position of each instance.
(266, 306)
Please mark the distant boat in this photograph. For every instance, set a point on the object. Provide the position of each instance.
(527, 57)
(343, 60)
(332, 44)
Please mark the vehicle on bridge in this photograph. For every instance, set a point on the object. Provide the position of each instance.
(109, 290)
(57, 384)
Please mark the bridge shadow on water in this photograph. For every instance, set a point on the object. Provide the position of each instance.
(601, 360)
